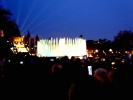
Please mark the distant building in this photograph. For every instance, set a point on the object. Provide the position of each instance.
(31, 43)
(18, 45)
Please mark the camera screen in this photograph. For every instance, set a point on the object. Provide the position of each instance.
(90, 70)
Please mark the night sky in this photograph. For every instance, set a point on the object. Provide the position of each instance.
(94, 19)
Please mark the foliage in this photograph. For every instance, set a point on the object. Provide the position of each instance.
(124, 41)
(8, 25)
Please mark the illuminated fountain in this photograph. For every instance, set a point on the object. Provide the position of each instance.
(61, 47)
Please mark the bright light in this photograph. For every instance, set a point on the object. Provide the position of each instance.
(61, 47)
(18, 43)
(96, 50)
(90, 55)
(112, 63)
(110, 50)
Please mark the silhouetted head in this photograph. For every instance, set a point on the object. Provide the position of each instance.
(85, 88)
(102, 75)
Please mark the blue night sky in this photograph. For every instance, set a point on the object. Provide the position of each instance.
(94, 19)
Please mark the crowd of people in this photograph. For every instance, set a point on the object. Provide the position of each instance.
(64, 78)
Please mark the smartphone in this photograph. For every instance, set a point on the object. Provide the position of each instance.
(89, 70)
(85, 56)
(51, 59)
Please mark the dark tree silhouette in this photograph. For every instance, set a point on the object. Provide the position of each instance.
(124, 41)
(10, 29)
(5, 50)
(8, 25)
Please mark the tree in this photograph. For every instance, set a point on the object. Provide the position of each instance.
(8, 25)
(124, 41)
(8, 29)
(5, 50)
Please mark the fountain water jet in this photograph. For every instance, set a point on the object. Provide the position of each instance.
(59, 47)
